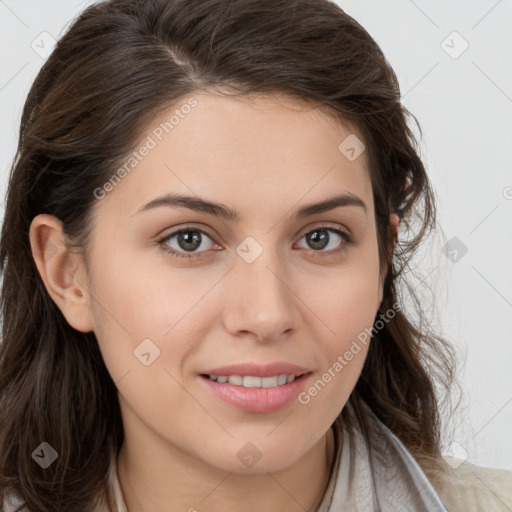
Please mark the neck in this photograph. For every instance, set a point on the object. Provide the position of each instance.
(160, 478)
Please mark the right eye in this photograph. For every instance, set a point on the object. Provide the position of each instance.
(188, 241)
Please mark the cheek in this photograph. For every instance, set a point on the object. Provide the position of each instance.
(347, 307)
(134, 302)
(349, 299)
(351, 309)
(350, 316)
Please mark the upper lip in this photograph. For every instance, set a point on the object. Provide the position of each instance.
(258, 370)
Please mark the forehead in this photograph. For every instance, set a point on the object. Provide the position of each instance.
(243, 151)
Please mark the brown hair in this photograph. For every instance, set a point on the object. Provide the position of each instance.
(118, 66)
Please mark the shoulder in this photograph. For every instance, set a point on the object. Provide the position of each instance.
(467, 487)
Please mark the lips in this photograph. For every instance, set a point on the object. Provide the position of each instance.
(256, 388)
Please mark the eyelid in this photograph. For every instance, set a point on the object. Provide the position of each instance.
(186, 227)
(325, 225)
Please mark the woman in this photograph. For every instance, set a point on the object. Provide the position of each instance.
(200, 273)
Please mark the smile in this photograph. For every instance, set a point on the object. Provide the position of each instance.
(249, 381)
(256, 394)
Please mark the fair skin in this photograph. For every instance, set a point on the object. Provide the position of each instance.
(295, 303)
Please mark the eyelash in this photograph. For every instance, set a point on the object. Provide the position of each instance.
(347, 241)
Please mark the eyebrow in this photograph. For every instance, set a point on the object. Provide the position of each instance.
(220, 210)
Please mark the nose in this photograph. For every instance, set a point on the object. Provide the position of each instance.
(261, 304)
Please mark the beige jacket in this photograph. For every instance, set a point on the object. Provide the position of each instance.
(476, 488)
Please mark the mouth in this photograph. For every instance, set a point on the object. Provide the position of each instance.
(255, 388)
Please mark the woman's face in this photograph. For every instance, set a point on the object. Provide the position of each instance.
(275, 291)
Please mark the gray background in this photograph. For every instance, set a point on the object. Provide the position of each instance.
(463, 101)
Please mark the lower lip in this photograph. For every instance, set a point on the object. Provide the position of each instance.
(257, 399)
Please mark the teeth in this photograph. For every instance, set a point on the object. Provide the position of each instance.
(269, 382)
(281, 379)
(249, 381)
(236, 380)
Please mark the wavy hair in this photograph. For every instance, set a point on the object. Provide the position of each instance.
(120, 64)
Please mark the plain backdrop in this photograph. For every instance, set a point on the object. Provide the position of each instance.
(453, 61)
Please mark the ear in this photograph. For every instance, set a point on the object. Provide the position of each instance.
(394, 220)
(63, 273)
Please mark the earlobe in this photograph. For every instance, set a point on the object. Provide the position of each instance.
(62, 272)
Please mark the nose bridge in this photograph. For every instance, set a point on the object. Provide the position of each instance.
(262, 300)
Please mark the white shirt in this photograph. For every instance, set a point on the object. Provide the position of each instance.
(396, 483)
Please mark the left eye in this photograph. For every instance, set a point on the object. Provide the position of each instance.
(320, 239)
(191, 240)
